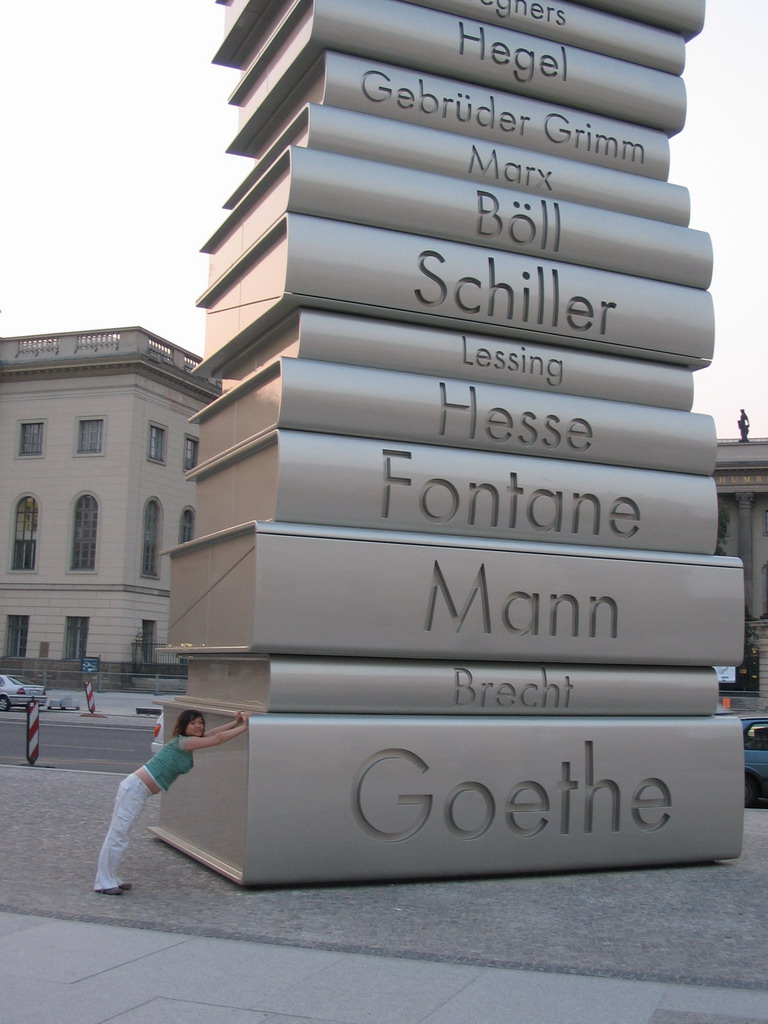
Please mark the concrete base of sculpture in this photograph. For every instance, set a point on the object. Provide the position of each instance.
(338, 798)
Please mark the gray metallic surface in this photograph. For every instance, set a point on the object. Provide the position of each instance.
(389, 345)
(572, 23)
(374, 87)
(367, 686)
(324, 590)
(684, 16)
(627, 311)
(349, 268)
(295, 476)
(426, 797)
(363, 192)
(303, 395)
(568, 23)
(548, 368)
(471, 52)
(473, 159)
(244, 23)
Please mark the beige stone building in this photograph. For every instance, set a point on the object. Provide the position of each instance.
(96, 446)
(742, 487)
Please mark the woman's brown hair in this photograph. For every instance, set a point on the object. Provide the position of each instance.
(184, 719)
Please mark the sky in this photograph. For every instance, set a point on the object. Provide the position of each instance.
(114, 173)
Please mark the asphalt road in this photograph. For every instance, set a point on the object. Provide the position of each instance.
(80, 745)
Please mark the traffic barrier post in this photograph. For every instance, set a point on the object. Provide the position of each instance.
(89, 696)
(33, 731)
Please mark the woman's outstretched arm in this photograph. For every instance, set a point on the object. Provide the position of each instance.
(240, 716)
(222, 734)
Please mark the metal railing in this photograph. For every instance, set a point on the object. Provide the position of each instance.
(156, 659)
(744, 701)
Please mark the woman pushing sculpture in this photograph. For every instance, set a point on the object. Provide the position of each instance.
(174, 758)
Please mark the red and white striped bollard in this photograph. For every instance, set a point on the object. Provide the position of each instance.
(89, 696)
(33, 731)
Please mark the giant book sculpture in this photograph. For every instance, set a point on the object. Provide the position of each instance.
(455, 523)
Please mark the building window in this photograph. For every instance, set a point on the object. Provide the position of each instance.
(186, 526)
(190, 452)
(31, 439)
(90, 437)
(16, 631)
(76, 638)
(84, 534)
(25, 537)
(149, 640)
(156, 450)
(151, 539)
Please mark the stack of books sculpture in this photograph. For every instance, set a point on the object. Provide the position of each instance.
(455, 518)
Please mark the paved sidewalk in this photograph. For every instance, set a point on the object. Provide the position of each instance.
(69, 972)
(685, 945)
(110, 703)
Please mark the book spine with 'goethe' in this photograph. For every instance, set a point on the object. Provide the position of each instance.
(363, 192)
(413, 796)
(472, 52)
(294, 476)
(420, 98)
(447, 597)
(356, 269)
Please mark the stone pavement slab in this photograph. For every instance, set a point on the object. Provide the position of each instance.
(94, 974)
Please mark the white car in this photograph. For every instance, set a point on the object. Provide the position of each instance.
(17, 692)
(157, 735)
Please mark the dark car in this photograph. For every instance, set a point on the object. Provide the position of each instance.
(755, 760)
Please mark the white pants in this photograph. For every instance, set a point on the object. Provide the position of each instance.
(129, 803)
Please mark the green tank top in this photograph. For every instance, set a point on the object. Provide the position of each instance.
(169, 763)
